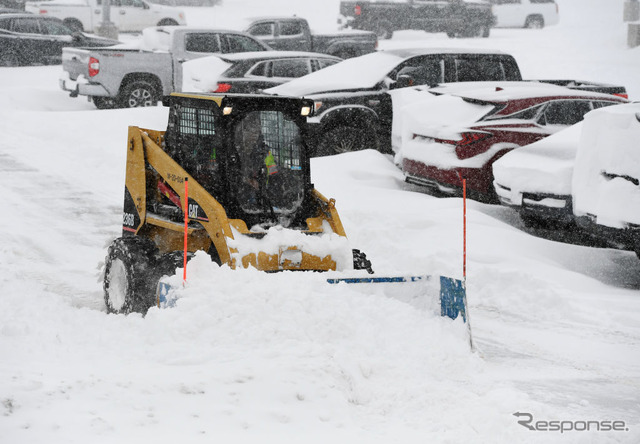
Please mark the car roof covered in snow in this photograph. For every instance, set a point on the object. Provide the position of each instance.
(361, 72)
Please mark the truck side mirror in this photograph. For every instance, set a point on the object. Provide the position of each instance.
(403, 81)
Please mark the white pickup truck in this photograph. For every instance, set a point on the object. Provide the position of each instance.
(534, 14)
(127, 15)
(140, 72)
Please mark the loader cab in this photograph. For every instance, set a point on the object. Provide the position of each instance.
(247, 151)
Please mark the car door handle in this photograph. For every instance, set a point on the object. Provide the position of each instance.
(122, 12)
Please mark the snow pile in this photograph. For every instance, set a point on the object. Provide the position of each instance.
(607, 168)
(322, 245)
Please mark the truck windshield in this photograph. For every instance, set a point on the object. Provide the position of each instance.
(269, 147)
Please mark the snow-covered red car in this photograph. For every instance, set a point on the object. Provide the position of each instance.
(461, 132)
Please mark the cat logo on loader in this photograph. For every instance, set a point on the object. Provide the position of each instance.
(237, 165)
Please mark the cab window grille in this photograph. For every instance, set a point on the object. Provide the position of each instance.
(282, 136)
(196, 121)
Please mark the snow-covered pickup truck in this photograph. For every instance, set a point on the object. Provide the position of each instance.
(534, 14)
(294, 34)
(140, 72)
(127, 15)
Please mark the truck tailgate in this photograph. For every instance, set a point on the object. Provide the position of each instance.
(75, 61)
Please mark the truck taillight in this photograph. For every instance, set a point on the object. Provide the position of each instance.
(94, 66)
(222, 88)
(357, 10)
(42, 11)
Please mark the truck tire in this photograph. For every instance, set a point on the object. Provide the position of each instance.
(138, 93)
(345, 139)
(104, 102)
(10, 59)
(168, 22)
(534, 22)
(128, 267)
(73, 24)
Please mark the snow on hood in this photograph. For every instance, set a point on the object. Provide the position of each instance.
(607, 164)
(545, 166)
(359, 72)
(201, 74)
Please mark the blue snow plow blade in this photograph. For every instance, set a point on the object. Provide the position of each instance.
(453, 296)
(451, 292)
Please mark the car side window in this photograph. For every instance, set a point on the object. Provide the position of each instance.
(5, 24)
(602, 104)
(241, 43)
(479, 69)
(423, 70)
(54, 28)
(290, 68)
(26, 26)
(565, 112)
(323, 63)
(290, 29)
(259, 70)
(132, 3)
(262, 29)
(202, 43)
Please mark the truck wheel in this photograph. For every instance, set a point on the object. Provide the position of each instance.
(10, 59)
(73, 24)
(138, 94)
(168, 22)
(344, 139)
(383, 30)
(129, 266)
(534, 22)
(104, 102)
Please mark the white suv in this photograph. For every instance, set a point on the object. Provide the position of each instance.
(534, 14)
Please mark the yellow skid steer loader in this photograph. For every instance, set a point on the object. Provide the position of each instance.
(230, 176)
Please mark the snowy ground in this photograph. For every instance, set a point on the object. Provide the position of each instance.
(246, 357)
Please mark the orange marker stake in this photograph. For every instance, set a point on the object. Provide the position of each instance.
(186, 228)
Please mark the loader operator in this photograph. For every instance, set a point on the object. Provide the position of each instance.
(257, 163)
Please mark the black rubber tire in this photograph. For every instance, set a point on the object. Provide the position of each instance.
(139, 93)
(104, 102)
(534, 22)
(73, 24)
(10, 59)
(128, 275)
(168, 22)
(345, 139)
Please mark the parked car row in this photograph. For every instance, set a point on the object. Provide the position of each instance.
(586, 176)
(459, 133)
(28, 39)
